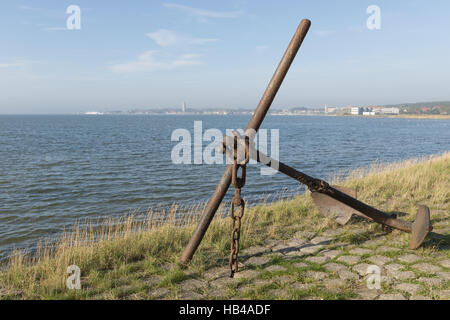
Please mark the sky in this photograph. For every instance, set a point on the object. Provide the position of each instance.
(218, 54)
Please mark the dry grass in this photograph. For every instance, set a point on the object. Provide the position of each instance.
(404, 185)
(128, 251)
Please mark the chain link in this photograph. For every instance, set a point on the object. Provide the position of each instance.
(237, 202)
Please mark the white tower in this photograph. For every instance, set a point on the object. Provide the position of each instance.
(183, 107)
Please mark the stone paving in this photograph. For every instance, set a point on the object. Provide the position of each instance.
(311, 266)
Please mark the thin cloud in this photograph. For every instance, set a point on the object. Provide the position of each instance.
(204, 13)
(41, 10)
(163, 37)
(44, 12)
(28, 8)
(167, 38)
(154, 61)
(11, 65)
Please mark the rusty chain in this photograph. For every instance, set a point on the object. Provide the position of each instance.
(236, 202)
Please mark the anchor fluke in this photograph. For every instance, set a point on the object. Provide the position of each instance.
(420, 228)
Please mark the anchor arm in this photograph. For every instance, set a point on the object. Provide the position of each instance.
(419, 228)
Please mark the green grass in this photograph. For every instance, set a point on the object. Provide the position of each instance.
(116, 260)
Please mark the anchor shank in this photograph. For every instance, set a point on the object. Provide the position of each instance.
(254, 124)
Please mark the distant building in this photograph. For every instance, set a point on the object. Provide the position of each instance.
(356, 111)
(394, 111)
(183, 107)
(93, 113)
(330, 109)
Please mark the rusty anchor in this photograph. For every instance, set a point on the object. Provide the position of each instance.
(337, 200)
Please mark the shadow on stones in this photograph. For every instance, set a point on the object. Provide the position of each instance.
(437, 241)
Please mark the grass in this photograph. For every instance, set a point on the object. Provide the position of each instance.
(122, 258)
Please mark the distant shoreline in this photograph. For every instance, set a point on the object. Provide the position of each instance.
(401, 116)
